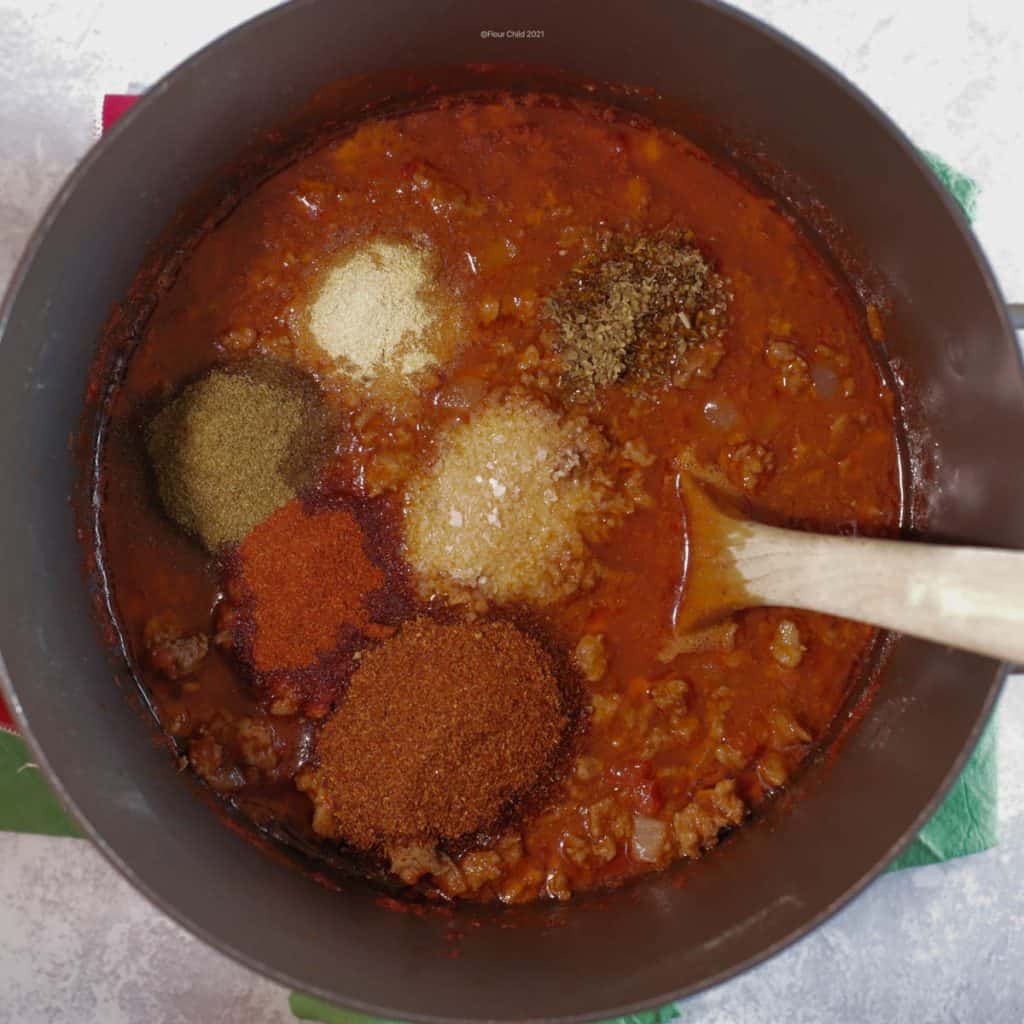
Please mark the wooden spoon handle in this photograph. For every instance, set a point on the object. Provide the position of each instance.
(972, 598)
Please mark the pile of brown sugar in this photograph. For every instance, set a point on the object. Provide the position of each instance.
(634, 308)
(508, 507)
(442, 729)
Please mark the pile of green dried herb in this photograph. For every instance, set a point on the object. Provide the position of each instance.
(634, 308)
(232, 448)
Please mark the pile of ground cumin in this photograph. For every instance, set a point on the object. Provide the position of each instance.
(633, 309)
(442, 729)
(376, 311)
(233, 447)
(506, 510)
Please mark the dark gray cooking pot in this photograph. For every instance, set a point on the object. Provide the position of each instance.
(948, 337)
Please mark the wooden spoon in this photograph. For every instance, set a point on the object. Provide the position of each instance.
(971, 598)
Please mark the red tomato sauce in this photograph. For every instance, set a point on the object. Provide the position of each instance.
(796, 419)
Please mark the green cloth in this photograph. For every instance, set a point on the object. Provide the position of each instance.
(27, 803)
(967, 821)
(308, 1008)
(964, 189)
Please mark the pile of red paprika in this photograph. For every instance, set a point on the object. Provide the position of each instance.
(300, 582)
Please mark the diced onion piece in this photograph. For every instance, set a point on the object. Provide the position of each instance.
(826, 380)
(648, 838)
(721, 413)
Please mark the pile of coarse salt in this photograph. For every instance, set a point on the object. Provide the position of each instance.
(374, 312)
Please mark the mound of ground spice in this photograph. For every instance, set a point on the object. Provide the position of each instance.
(305, 576)
(442, 729)
(377, 313)
(232, 448)
(506, 511)
(633, 310)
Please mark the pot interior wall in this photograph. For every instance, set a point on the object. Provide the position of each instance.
(946, 335)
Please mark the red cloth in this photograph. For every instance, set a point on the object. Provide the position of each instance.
(114, 105)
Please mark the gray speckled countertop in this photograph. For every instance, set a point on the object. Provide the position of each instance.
(941, 943)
